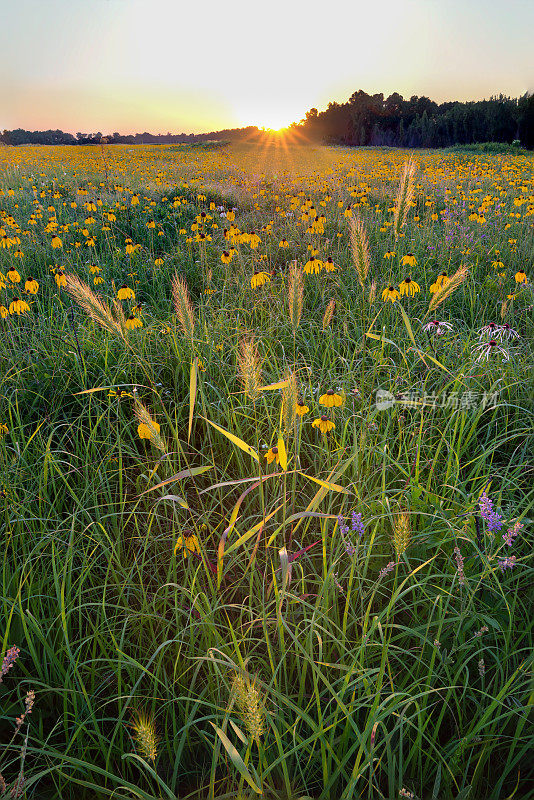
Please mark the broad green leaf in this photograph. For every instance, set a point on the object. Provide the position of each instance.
(250, 533)
(271, 386)
(192, 394)
(333, 487)
(185, 473)
(174, 498)
(282, 453)
(234, 439)
(236, 759)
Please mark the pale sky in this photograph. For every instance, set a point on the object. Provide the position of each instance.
(201, 65)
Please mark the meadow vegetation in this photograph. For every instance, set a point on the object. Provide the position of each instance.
(266, 472)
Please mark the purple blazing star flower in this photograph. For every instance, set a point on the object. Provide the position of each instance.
(357, 523)
(512, 532)
(390, 566)
(494, 520)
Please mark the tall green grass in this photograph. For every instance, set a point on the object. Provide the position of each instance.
(364, 666)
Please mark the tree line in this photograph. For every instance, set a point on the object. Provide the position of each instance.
(363, 120)
(21, 136)
(420, 122)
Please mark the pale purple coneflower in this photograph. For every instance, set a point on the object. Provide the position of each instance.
(488, 330)
(487, 349)
(436, 327)
(506, 332)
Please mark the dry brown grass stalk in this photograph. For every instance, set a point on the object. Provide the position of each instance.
(249, 364)
(359, 246)
(296, 295)
(183, 307)
(447, 289)
(404, 197)
(94, 306)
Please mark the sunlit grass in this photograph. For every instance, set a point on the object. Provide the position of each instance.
(197, 608)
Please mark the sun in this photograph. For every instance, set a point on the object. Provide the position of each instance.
(275, 123)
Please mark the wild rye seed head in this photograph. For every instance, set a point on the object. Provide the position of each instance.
(248, 700)
(183, 307)
(404, 197)
(295, 294)
(249, 364)
(359, 246)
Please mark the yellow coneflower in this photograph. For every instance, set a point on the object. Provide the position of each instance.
(18, 306)
(390, 294)
(60, 278)
(313, 266)
(259, 278)
(409, 260)
(226, 257)
(253, 240)
(442, 280)
(147, 431)
(330, 399)
(189, 543)
(133, 322)
(125, 293)
(323, 423)
(389, 254)
(272, 454)
(521, 276)
(4, 312)
(283, 243)
(301, 408)
(56, 242)
(31, 286)
(158, 262)
(329, 264)
(409, 286)
(12, 275)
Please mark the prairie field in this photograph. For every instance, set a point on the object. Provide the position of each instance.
(266, 472)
